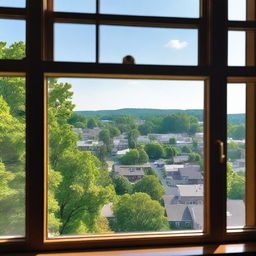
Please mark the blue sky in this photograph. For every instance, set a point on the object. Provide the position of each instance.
(148, 46)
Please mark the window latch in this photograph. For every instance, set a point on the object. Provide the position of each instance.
(222, 156)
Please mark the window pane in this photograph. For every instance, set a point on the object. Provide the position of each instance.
(236, 48)
(118, 163)
(74, 42)
(75, 6)
(169, 8)
(12, 156)
(237, 9)
(12, 39)
(149, 45)
(236, 155)
(13, 3)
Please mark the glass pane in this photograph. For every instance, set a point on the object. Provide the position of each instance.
(149, 45)
(118, 163)
(87, 6)
(237, 9)
(12, 39)
(12, 157)
(236, 155)
(236, 48)
(13, 3)
(74, 42)
(169, 8)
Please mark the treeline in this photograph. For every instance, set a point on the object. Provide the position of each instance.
(173, 123)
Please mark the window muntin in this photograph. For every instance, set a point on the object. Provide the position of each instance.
(176, 176)
(160, 46)
(12, 157)
(168, 8)
(12, 39)
(74, 42)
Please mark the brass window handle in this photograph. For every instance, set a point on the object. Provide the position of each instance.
(222, 156)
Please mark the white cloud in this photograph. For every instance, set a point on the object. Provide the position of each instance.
(176, 44)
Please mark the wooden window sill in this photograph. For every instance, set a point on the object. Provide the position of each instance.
(231, 249)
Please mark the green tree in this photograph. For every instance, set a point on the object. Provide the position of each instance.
(134, 156)
(146, 128)
(130, 158)
(91, 123)
(150, 171)
(235, 184)
(77, 120)
(81, 203)
(154, 150)
(138, 212)
(150, 185)
(170, 151)
(194, 157)
(122, 185)
(104, 136)
(114, 131)
(132, 138)
(172, 141)
(186, 149)
(143, 156)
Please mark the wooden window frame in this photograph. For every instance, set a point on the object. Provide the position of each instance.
(212, 68)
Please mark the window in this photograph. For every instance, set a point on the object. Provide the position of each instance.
(188, 57)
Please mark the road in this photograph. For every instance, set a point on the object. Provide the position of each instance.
(169, 190)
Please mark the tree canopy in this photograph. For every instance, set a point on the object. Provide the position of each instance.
(138, 212)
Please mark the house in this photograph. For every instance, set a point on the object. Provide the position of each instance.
(182, 216)
(107, 211)
(190, 194)
(122, 152)
(90, 145)
(179, 174)
(86, 133)
(132, 172)
(180, 159)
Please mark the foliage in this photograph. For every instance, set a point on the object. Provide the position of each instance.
(150, 171)
(138, 212)
(134, 156)
(154, 150)
(172, 141)
(236, 132)
(91, 123)
(151, 185)
(235, 184)
(132, 138)
(186, 149)
(122, 185)
(146, 128)
(194, 157)
(170, 151)
(77, 120)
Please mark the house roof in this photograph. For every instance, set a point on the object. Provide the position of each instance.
(191, 190)
(107, 211)
(192, 172)
(235, 213)
(130, 170)
(179, 212)
(173, 167)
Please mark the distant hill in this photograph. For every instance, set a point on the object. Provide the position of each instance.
(144, 113)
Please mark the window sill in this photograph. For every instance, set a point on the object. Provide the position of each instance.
(231, 249)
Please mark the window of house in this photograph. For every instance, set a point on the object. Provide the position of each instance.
(94, 86)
